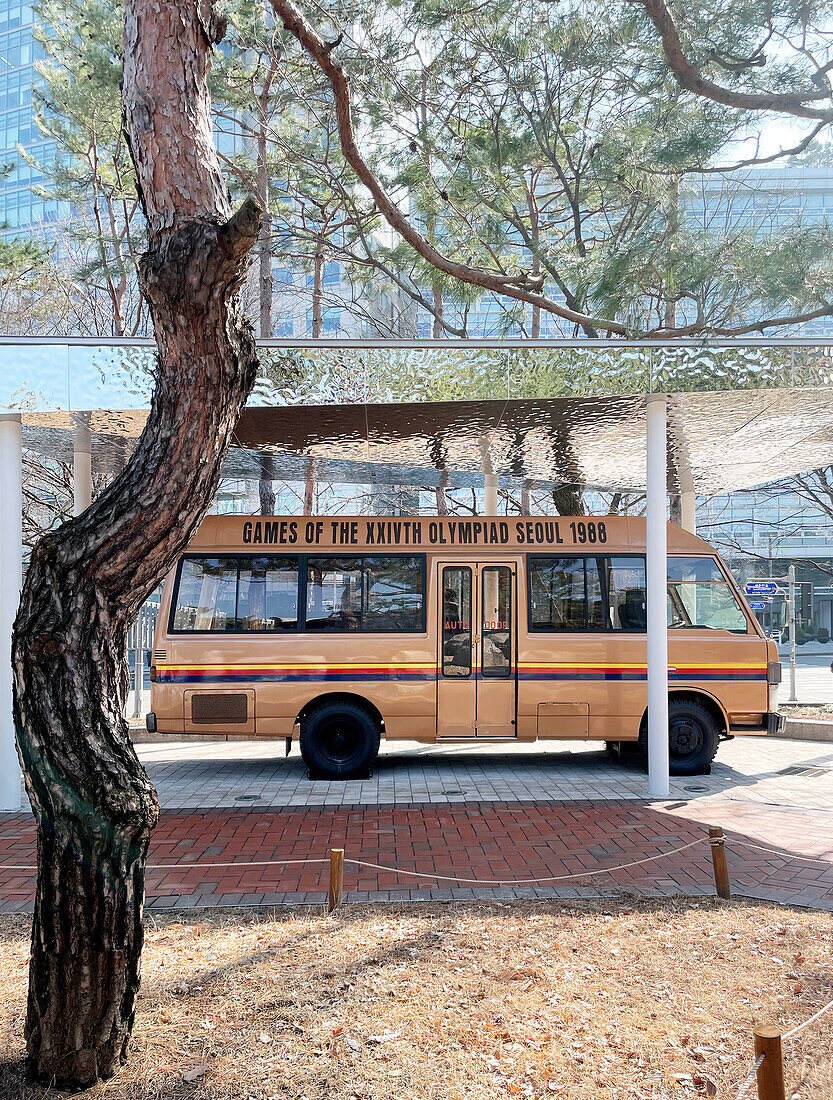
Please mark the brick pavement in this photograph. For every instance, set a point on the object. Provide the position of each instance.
(483, 840)
(518, 812)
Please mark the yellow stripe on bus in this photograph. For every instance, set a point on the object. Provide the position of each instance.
(302, 664)
(625, 664)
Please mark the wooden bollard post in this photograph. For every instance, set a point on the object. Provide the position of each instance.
(721, 870)
(336, 878)
(771, 1071)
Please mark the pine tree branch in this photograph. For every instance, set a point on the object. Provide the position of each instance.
(688, 76)
(522, 287)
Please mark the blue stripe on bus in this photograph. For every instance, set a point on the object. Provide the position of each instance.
(359, 677)
(278, 678)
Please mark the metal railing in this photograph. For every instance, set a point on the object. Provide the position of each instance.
(140, 642)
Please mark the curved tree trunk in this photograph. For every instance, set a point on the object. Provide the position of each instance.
(95, 806)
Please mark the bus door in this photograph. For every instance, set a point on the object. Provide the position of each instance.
(477, 680)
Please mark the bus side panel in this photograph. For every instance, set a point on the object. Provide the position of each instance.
(604, 672)
(395, 673)
(731, 667)
(165, 698)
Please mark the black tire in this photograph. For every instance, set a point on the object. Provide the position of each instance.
(693, 738)
(339, 740)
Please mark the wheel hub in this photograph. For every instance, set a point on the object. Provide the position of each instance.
(686, 737)
(340, 740)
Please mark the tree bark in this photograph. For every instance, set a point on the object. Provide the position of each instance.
(437, 325)
(94, 804)
(442, 498)
(568, 501)
(534, 231)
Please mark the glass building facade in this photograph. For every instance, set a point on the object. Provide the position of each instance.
(761, 533)
(20, 210)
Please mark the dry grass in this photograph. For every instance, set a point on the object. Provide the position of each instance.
(594, 999)
(822, 713)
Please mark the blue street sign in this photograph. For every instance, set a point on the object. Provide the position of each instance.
(758, 605)
(761, 588)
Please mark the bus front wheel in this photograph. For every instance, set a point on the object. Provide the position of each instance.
(693, 738)
(339, 740)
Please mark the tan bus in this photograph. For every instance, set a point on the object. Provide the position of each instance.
(335, 631)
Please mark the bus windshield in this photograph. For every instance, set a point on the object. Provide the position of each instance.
(699, 595)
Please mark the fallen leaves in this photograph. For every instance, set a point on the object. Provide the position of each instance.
(195, 1073)
(585, 1001)
(385, 1037)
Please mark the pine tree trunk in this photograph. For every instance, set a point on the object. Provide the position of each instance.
(265, 243)
(437, 327)
(94, 804)
(318, 293)
(534, 231)
(265, 487)
(309, 487)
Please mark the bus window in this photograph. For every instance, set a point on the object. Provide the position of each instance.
(699, 595)
(206, 595)
(593, 589)
(565, 594)
(267, 594)
(456, 621)
(374, 594)
(334, 594)
(496, 660)
(626, 592)
(393, 594)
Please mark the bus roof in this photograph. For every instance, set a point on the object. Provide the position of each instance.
(434, 533)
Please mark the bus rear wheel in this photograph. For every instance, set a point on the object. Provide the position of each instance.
(339, 740)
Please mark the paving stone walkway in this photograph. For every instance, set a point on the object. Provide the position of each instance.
(471, 814)
(235, 775)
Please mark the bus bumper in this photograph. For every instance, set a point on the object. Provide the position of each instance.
(775, 723)
(771, 724)
(150, 722)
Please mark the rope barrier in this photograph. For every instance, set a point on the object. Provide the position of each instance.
(525, 881)
(402, 871)
(750, 1080)
(800, 1027)
(779, 855)
(191, 866)
(234, 863)
(460, 880)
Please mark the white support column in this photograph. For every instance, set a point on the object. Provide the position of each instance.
(489, 478)
(656, 585)
(688, 511)
(82, 467)
(490, 494)
(11, 579)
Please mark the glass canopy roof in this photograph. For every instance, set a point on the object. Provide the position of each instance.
(542, 413)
